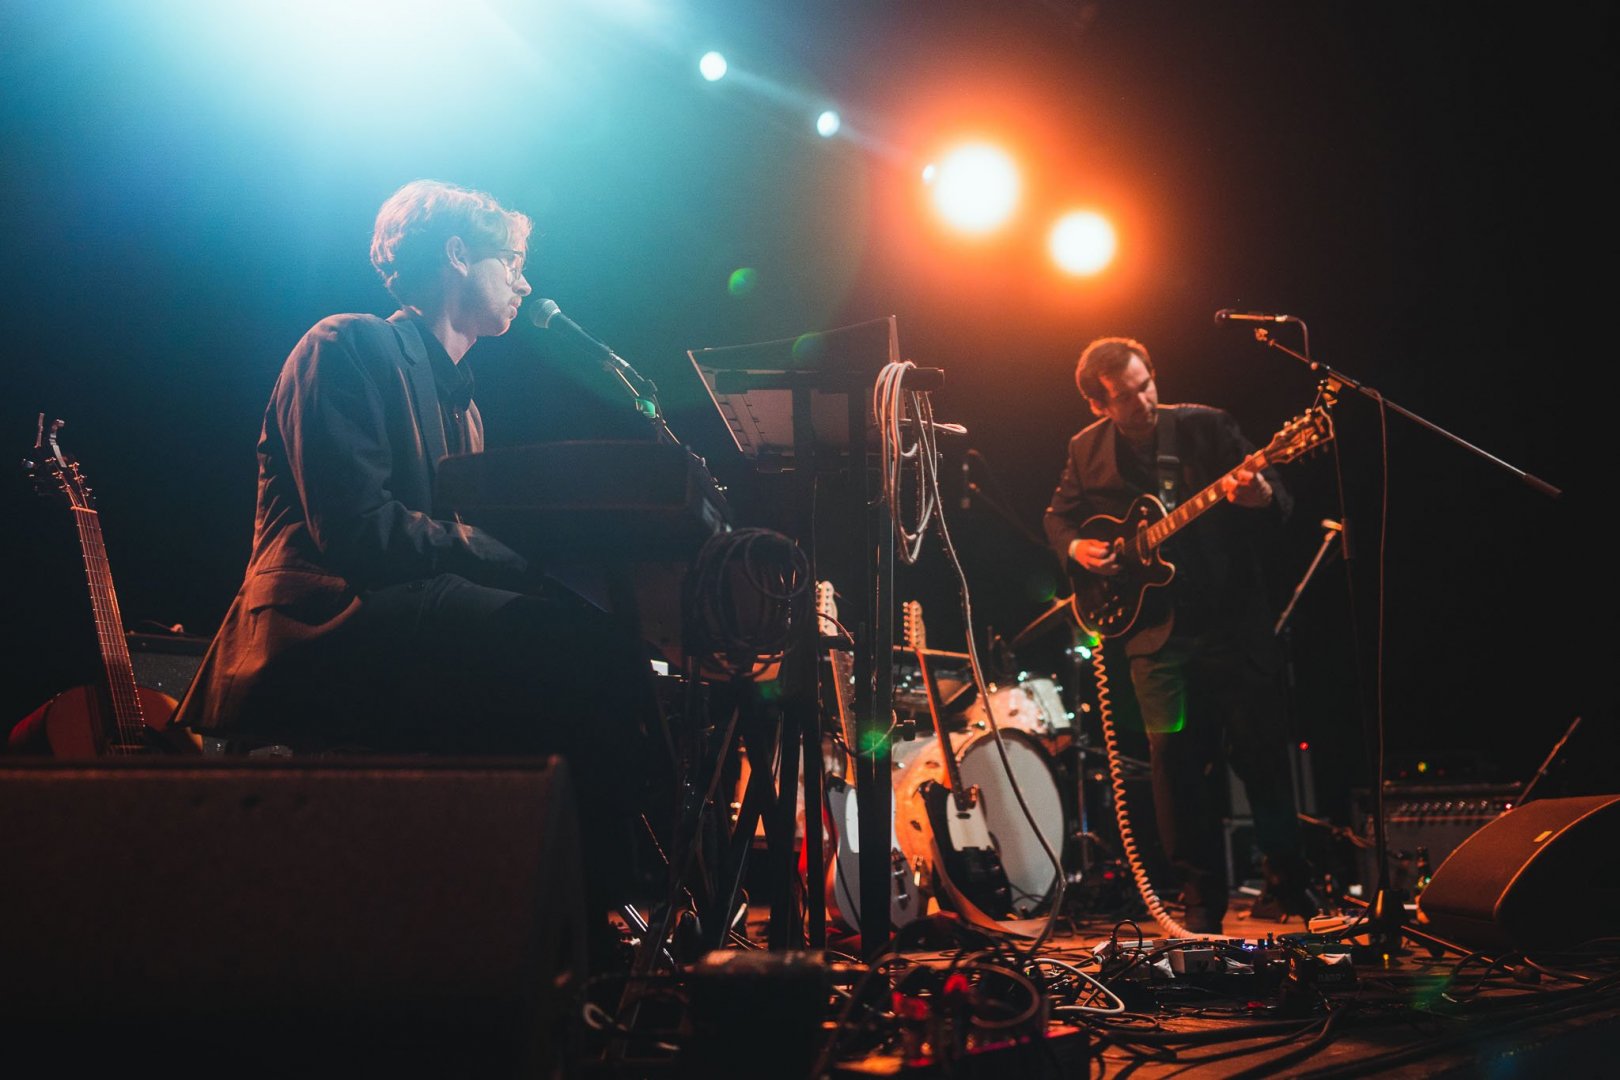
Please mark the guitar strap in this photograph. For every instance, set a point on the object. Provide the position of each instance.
(1169, 463)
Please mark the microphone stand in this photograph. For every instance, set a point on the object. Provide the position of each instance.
(1387, 910)
(1338, 379)
(1331, 531)
(643, 393)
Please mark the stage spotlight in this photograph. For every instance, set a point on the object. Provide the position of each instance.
(828, 123)
(976, 188)
(712, 66)
(1082, 242)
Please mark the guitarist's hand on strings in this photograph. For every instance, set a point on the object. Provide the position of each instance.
(1095, 555)
(1247, 487)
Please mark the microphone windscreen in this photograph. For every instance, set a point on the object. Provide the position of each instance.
(542, 312)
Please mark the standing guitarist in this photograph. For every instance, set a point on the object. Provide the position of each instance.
(1204, 664)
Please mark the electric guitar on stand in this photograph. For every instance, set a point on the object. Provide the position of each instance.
(906, 899)
(1109, 606)
(967, 867)
(112, 716)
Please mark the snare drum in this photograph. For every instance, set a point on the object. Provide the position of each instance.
(1029, 871)
(1032, 705)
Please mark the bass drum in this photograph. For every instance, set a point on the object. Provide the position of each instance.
(1029, 871)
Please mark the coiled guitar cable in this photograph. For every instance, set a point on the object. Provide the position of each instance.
(1127, 839)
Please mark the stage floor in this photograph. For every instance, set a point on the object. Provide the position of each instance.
(1304, 1009)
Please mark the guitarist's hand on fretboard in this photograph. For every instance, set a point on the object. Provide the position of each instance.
(1247, 487)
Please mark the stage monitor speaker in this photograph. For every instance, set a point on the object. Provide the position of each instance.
(1543, 875)
(363, 915)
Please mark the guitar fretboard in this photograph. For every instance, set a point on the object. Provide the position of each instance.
(1184, 515)
(120, 671)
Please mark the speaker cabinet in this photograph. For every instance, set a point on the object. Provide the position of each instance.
(315, 915)
(1543, 875)
(166, 662)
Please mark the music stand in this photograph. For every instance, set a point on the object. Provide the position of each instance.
(781, 402)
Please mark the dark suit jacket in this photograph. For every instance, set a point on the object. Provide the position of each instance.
(350, 445)
(1217, 565)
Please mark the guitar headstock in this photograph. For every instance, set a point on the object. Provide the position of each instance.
(912, 623)
(1308, 431)
(55, 472)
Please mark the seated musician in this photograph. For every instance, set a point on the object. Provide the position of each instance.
(364, 622)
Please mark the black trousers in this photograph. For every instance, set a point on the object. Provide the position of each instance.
(1206, 698)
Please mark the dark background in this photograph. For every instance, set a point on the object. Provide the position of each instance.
(185, 188)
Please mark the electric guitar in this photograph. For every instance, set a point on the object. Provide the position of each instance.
(114, 716)
(906, 899)
(967, 867)
(1109, 606)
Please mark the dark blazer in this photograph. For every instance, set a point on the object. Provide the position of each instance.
(1216, 555)
(351, 442)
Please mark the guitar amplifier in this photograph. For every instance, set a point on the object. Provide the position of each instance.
(1434, 817)
(166, 662)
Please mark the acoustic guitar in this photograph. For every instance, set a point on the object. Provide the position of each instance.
(112, 716)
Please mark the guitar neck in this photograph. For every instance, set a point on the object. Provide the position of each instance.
(1185, 514)
(917, 642)
(843, 672)
(115, 660)
(953, 773)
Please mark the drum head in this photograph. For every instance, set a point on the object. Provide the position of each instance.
(1029, 871)
(1034, 705)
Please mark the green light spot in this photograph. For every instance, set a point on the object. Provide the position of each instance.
(743, 281)
(1173, 725)
(1043, 589)
(1428, 993)
(770, 691)
(808, 348)
(873, 741)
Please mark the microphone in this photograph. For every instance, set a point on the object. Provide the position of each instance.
(1233, 315)
(546, 315)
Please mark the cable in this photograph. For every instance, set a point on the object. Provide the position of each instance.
(1116, 775)
(1056, 861)
(747, 591)
(889, 400)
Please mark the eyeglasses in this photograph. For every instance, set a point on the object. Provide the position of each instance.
(513, 260)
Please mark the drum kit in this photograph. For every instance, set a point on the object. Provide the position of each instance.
(1034, 723)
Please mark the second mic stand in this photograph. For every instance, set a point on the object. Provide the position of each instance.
(1387, 911)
